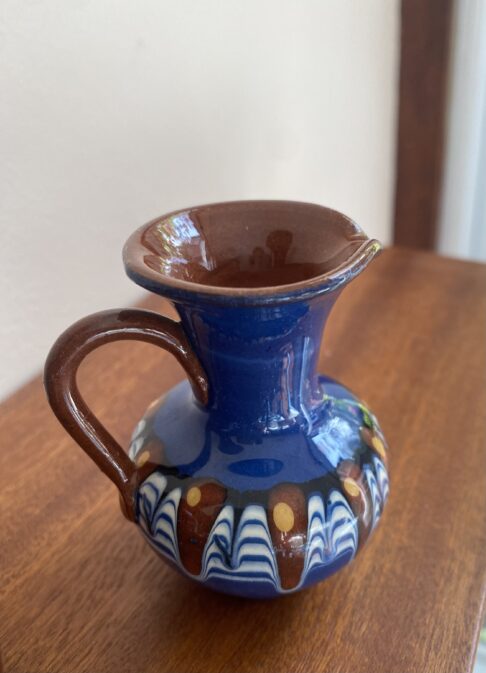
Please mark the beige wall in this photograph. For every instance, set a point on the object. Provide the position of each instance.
(115, 111)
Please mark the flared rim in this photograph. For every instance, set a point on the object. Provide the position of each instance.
(135, 251)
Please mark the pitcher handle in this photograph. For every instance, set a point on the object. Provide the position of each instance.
(61, 368)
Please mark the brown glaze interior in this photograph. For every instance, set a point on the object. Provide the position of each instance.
(247, 244)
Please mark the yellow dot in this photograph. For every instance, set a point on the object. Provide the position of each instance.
(283, 517)
(193, 496)
(142, 458)
(378, 446)
(351, 487)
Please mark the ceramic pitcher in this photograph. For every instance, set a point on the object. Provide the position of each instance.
(256, 475)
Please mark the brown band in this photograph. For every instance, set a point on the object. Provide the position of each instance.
(72, 411)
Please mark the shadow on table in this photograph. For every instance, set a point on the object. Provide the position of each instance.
(198, 622)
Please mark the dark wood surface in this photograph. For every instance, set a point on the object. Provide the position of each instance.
(424, 63)
(82, 592)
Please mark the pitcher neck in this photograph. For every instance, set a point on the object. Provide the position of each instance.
(260, 361)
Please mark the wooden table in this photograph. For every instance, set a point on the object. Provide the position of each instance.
(81, 591)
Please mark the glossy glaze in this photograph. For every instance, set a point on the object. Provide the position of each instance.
(271, 477)
(248, 252)
(264, 514)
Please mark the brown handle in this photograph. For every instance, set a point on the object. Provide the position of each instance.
(72, 411)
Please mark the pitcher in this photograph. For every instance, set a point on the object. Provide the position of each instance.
(256, 476)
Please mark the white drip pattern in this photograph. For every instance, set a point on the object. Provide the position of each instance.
(376, 497)
(382, 477)
(217, 553)
(332, 530)
(158, 515)
(248, 554)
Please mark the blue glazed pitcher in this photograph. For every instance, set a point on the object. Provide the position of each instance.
(256, 476)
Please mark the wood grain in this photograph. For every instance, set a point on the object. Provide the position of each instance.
(424, 67)
(82, 592)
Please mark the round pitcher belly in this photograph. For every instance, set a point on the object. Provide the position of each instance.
(264, 511)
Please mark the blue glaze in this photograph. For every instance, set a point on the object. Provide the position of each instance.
(260, 361)
(266, 409)
(198, 447)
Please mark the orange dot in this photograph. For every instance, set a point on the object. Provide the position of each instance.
(283, 517)
(193, 496)
(378, 446)
(351, 487)
(142, 458)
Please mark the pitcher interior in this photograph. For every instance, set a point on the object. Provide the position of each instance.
(249, 244)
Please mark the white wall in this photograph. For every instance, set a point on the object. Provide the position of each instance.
(116, 111)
